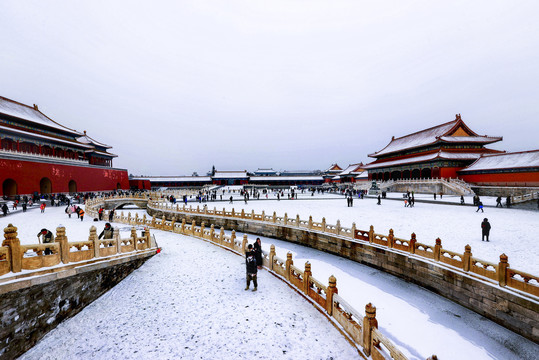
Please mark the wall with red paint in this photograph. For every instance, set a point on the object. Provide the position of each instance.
(28, 174)
(503, 179)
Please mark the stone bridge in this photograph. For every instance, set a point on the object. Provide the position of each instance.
(121, 202)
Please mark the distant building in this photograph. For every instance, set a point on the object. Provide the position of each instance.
(507, 169)
(37, 154)
(265, 172)
(330, 173)
(352, 174)
(230, 177)
(437, 152)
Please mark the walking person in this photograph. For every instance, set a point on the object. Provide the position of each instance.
(258, 252)
(508, 201)
(485, 228)
(42, 207)
(379, 200)
(24, 204)
(5, 209)
(250, 264)
(107, 232)
(461, 200)
(499, 201)
(69, 211)
(81, 214)
(111, 215)
(48, 237)
(479, 206)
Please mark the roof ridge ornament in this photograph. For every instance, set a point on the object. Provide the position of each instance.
(458, 117)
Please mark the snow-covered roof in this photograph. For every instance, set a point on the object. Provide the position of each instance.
(88, 140)
(428, 157)
(174, 178)
(525, 159)
(333, 168)
(230, 174)
(363, 175)
(434, 134)
(45, 137)
(28, 113)
(352, 169)
(286, 178)
(94, 150)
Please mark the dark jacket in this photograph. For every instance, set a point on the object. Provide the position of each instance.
(250, 263)
(485, 226)
(258, 253)
(48, 237)
(107, 233)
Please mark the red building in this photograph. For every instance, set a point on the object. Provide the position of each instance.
(40, 155)
(438, 152)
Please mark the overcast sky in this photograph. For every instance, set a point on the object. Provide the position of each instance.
(178, 86)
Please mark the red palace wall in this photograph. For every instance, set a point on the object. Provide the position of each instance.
(504, 179)
(140, 184)
(28, 174)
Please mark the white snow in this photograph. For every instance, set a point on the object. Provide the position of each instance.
(526, 159)
(200, 310)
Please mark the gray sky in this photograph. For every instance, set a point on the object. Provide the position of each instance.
(179, 86)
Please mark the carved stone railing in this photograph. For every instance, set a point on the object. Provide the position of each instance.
(15, 257)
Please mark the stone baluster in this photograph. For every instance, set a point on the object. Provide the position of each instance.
(289, 262)
(271, 256)
(338, 227)
(467, 259)
(503, 265)
(153, 221)
(134, 237)
(390, 239)
(297, 220)
(232, 239)
(306, 275)
(369, 323)
(437, 249)
(202, 229)
(412, 244)
(310, 222)
(129, 218)
(331, 290)
(285, 218)
(252, 214)
(61, 239)
(244, 244)
(15, 253)
(182, 227)
(93, 238)
(371, 234)
(144, 219)
(212, 232)
(242, 213)
(324, 224)
(263, 215)
(198, 209)
(353, 231)
(221, 236)
(116, 237)
(274, 218)
(193, 226)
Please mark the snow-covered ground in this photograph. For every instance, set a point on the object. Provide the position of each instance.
(188, 311)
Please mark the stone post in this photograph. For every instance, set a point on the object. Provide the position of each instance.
(183, 208)
(224, 212)
(289, 262)
(212, 232)
(177, 208)
(205, 209)
(202, 230)
(437, 249)
(371, 234)
(503, 265)
(369, 323)
(390, 238)
(129, 218)
(144, 219)
(164, 223)
(467, 258)
(182, 227)
(353, 231)
(93, 238)
(12, 241)
(116, 237)
(173, 223)
(310, 226)
(193, 226)
(263, 215)
(136, 218)
(62, 240)
(233, 213)
(198, 209)
(134, 237)
(285, 219)
(148, 237)
(244, 244)
(153, 221)
(297, 220)
(271, 256)
(274, 218)
(331, 290)
(252, 214)
(324, 224)
(242, 213)
(338, 227)
(221, 235)
(306, 275)
(412, 244)
(232, 239)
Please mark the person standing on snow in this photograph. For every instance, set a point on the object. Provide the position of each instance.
(258, 253)
(499, 201)
(479, 206)
(379, 200)
(48, 237)
(485, 228)
(250, 264)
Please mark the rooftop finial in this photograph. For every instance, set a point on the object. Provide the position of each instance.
(84, 132)
(35, 107)
(457, 117)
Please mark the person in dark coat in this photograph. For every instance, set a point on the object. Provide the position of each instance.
(250, 264)
(107, 232)
(379, 200)
(485, 228)
(479, 206)
(461, 200)
(48, 237)
(258, 253)
(5, 209)
(508, 201)
(499, 201)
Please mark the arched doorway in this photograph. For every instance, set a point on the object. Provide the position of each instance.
(386, 176)
(118, 186)
(425, 173)
(72, 187)
(9, 187)
(416, 174)
(406, 174)
(45, 186)
(395, 175)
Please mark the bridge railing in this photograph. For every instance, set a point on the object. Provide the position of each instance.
(464, 262)
(15, 257)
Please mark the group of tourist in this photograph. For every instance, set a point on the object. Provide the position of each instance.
(253, 262)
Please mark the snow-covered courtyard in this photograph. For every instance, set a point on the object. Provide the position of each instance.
(189, 300)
